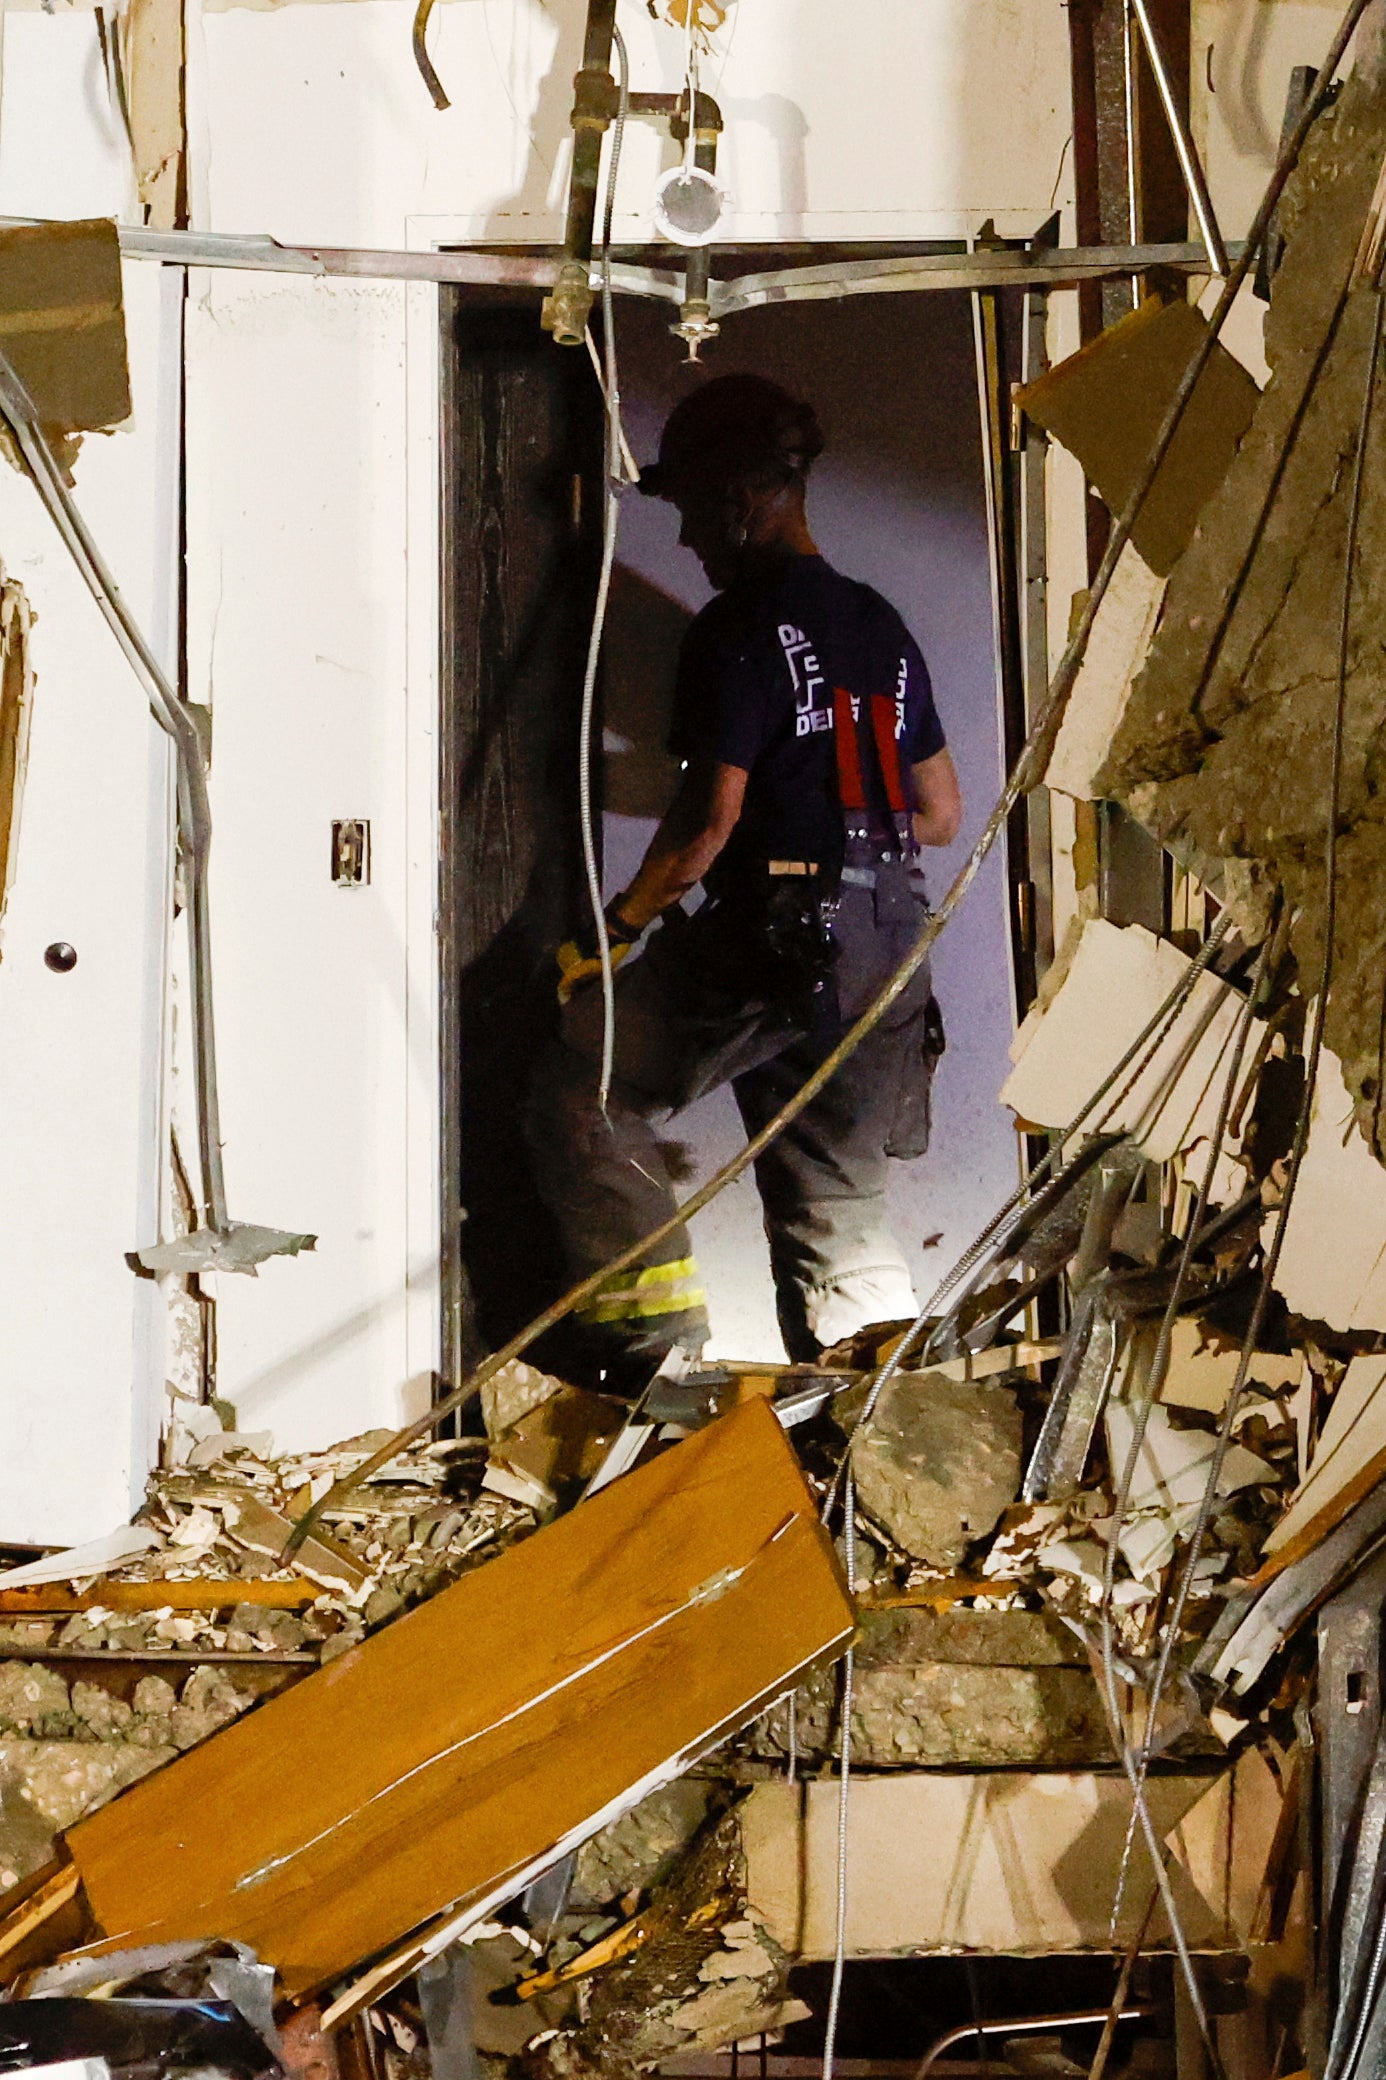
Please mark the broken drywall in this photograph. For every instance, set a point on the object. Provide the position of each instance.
(16, 704)
(1224, 747)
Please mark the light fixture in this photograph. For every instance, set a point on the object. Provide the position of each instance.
(689, 205)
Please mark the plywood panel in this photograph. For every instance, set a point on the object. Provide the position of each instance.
(460, 1746)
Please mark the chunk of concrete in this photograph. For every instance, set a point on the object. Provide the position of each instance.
(641, 1848)
(938, 1463)
(968, 1689)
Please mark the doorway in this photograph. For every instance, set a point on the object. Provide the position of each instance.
(897, 499)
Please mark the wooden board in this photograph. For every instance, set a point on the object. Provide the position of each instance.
(55, 1599)
(507, 1718)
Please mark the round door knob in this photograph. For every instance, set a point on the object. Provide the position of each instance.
(60, 957)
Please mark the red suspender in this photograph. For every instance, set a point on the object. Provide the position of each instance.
(850, 788)
(888, 750)
(849, 731)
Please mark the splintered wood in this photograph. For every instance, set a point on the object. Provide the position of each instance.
(464, 1748)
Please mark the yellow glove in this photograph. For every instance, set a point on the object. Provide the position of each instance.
(579, 958)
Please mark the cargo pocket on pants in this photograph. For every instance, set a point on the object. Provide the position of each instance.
(921, 1042)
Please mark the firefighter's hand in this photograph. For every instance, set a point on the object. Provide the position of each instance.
(579, 958)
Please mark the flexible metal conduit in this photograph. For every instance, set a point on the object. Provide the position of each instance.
(1021, 2025)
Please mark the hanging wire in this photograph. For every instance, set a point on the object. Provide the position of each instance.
(1315, 1047)
(1027, 772)
(1159, 1366)
(844, 1790)
(614, 448)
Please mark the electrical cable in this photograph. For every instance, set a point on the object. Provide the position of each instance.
(427, 70)
(1027, 772)
(844, 1786)
(611, 515)
(1159, 1366)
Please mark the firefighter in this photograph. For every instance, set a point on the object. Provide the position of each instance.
(814, 769)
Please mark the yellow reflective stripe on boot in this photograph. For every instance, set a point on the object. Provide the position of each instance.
(659, 1289)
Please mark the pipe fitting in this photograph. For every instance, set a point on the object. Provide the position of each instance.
(568, 306)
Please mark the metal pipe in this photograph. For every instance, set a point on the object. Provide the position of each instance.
(696, 322)
(1022, 2025)
(1010, 267)
(568, 306)
(1189, 164)
(194, 808)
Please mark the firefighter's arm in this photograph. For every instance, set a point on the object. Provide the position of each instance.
(937, 814)
(696, 826)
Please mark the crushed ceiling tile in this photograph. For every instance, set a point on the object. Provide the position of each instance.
(1224, 747)
(1121, 637)
(1100, 994)
(1352, 1438)
(1333, 1264)
(1107, 402)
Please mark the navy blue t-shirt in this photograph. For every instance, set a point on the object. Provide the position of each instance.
(758, 669)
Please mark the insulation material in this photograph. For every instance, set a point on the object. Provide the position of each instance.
(1019, 1864)
(1117, 647)
(1112, 985)
(16, 699)
(584, 1667)
(62, 322)
(1106, 403)
(1333, 1265)
(1353, 1438)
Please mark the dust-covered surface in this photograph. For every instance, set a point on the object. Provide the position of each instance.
(1224, 749)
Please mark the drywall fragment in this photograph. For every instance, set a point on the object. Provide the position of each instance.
(1106, 404)
(1200, 1374)
(76, 1562)
(1116, 651)
(153, 49)
(1115, 979)
(599, 1659)
(1006, 1862)
(1353, 1435)
(1333, 1265)
(938, 1463)
(16, 702)
(1172, 1466)
(62, 322)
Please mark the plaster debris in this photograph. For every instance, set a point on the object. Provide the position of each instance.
(1116, 651)
(1102, 992)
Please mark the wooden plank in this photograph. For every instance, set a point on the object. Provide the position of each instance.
(38, 1904)
(48, 1599)
(466, 1744)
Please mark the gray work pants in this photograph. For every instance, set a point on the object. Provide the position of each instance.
(682, 1029)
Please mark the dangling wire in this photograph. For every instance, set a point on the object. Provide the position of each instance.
(614, 449)
(844, 1787)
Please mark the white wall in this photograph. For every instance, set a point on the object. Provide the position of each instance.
(312, 546)
(81, 1356)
